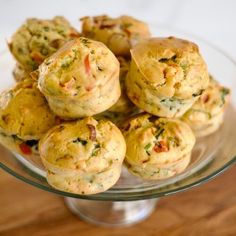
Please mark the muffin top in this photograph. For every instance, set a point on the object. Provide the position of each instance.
(37, 39)
(79, 67)
(24, 111)
(171, 66)
(86, 145)
(119, 34)
(153, 140)
(212, 102)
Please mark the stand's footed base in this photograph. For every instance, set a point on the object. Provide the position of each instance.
(107, 213)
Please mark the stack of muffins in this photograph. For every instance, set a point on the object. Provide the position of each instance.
(87, 103)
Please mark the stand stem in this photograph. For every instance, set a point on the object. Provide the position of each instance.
(108, 213)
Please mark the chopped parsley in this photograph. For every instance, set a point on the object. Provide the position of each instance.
(99, 68)
(174, 141)
(172, 103)
(147, 147)
(96, 149)
(224, 92)
(44, 51)
(160, 131)
(198, 93)
(46, 28)
(184, 67)
(31, 143)
(164, 60)
(79, 140)
(66, 62)
(85, 41)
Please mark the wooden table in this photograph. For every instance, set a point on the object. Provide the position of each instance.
(203, 211)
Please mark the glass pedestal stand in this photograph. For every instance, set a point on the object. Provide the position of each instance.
(128, 201)
(113, 214)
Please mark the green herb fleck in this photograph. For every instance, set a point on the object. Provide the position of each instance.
(46, 28)
(174, 141)
(160, 131)
(224, 93)
(33, 64)
(198, 93)
(147, 147)
(155, 172)
(15, 137)
(31, 143)
(96, 149)
(184, 67)
(99, 68)
(20, 50)
(172, 103)
(66, 62)
(126, 25)
(84, 41)
(44, 51)
(165, 60)
(78, 140)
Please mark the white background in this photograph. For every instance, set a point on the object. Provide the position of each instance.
(213, 20)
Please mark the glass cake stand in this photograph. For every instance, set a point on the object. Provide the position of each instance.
(132, 199)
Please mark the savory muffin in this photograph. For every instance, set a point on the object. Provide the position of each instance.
(206, 114)
(24, 117)
(166, 76)
(37, 39)
(123, 105)
(80, 79)
(83, 157)
(157, 148)
(119, 34)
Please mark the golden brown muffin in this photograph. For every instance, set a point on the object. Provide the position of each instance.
(123, 105)
(119, 34)
(24, 118)
(166, 76)
(80, 79)
(157, 148)
(83, 157)
(206, 114)
(24, 112)
(37, 39)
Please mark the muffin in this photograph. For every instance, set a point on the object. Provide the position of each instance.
(24, 117)
(206, 114)
(166, 76)
(123, 105)
(119, 34)
(83, 157)
(157, 148)
(81, 79)
(37, 39)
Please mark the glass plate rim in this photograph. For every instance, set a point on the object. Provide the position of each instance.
(103, 197)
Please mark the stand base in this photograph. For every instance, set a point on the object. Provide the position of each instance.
(111, 214)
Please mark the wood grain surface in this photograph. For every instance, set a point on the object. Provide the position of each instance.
(203, 211)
